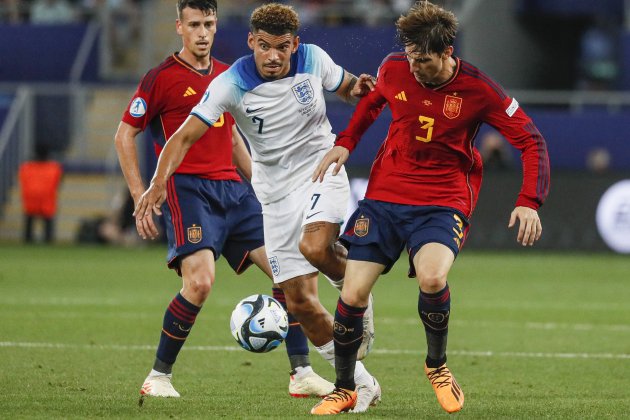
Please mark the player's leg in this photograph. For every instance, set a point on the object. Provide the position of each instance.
(195, 234)
(326, 204)
(432, 259)
(432, 264)
(298, 278)
(360, 277)
(303, 380)
(49, 229)
(28, 228)
(198, 272)
(246, 237)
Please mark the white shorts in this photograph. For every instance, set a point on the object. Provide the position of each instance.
(283, 220)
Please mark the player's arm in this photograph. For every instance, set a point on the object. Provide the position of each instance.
(353, 88)
(125, 142)
(240, 154)
(171, 157)
(512, 122)
(367, 111)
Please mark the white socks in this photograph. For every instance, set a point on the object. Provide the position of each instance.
(301, 371)
(337, 284)
(361, 375)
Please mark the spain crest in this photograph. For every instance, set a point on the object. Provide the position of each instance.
(361, 227)
(194, 234)
(303, 92)
(452, 106)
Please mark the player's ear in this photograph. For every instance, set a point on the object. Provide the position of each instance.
(178, 27)
(448, 51)
(250, 41)
(296, 43)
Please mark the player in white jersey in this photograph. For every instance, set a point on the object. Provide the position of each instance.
(276, 98)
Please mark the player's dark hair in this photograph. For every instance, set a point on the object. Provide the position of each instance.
(275, 19)
(206, 6)
(428, 27)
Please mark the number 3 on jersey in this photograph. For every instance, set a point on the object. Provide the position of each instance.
(426, 123)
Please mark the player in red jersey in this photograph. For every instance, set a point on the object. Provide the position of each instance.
(209, 211)
(424, 184)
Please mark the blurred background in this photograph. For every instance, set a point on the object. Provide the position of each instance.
(69, 69)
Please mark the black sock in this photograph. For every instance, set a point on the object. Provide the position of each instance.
(434, 310)
(178, 320)
(297, 346)
(348, 334)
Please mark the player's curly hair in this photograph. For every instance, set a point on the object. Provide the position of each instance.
(274, 18)
(206, 6)
(430, 28)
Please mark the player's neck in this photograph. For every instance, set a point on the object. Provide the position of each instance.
(446, 74)
(198, 63)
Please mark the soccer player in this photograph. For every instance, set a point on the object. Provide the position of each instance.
(276, 96)
(423, 187)
(209, 210)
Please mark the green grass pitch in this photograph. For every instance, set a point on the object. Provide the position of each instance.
(532, 335)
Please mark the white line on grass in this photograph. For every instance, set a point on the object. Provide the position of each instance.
(513, 325)
(539, 355)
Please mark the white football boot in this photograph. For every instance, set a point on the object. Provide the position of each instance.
(368, 394)
(368, 322)
(309, 384)
(158, 386)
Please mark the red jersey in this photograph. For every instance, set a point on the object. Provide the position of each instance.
(163, 101)
(428, 157)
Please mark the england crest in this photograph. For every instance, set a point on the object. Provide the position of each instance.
(452, 106)
(303, 92)
(275, 265)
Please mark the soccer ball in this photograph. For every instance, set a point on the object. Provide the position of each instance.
(259, 323)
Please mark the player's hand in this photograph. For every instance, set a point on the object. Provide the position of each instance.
(148, 204)
(365, 84)
(338, 155)
(529, 229)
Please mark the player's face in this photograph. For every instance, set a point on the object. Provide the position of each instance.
(430, 68)
(272, 53)
(197, 30)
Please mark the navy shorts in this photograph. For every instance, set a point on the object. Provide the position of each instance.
(223, 216)
(378, 231)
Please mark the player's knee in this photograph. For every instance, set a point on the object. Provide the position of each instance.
(313, 252)
(199, 286)
(303, 307)
(431, 280)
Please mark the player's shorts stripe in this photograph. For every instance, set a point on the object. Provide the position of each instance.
(176, 215)
(240, 269)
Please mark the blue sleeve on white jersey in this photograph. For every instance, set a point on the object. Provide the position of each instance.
(223, 94)
(317, 62)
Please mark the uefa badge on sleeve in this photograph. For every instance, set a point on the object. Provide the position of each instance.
(138, 107)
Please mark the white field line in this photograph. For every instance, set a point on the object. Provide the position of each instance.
(515, 325)
(537, 355)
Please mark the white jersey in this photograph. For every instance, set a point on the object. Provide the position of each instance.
(283, 120)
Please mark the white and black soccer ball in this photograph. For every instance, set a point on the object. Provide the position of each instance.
(259, 323)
